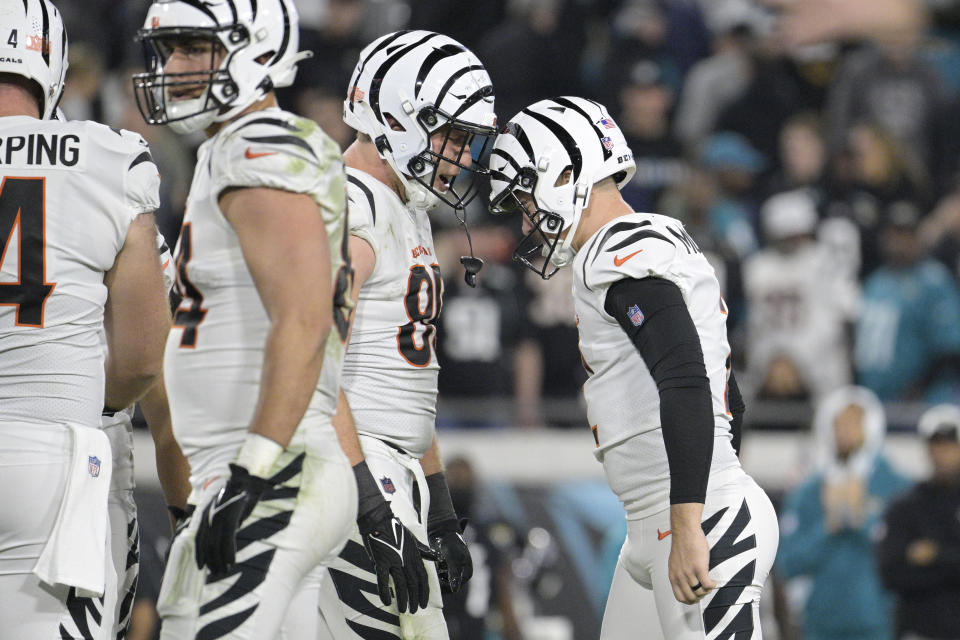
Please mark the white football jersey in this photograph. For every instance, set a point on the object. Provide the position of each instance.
(622, 398)
(390, 371)
(69, 193)
(214, 355)
(797, 306)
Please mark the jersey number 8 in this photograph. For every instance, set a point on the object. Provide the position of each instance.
(422, 303)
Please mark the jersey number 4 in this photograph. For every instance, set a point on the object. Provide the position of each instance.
(190, 313)
(23, 210)
(422, 303)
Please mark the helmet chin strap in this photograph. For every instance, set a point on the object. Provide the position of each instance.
(564, 252)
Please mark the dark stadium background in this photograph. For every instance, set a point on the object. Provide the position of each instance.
(725, 103)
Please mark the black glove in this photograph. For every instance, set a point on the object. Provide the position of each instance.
(444, 529)
(393, 549)
(217, 536)
(454, 565)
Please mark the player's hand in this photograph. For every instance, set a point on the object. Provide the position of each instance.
(689, 563)
(395, 553)
(454, 565)
(217, 536)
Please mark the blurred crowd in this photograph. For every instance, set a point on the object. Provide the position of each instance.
(809, 147)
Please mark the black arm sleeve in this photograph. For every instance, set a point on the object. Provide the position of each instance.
(668, 341)
(737, 408)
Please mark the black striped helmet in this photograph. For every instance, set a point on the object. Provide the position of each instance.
(408, 85)
(33, 44)
(260, 39)
(531, 154)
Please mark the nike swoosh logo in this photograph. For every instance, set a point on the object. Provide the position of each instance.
(661, 536)
(250, 155)
(217, 508)
(619, 261)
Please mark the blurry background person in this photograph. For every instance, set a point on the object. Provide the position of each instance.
(829, 523)
(907, 338)
(799, 305)
(489, 594)
(920, 553)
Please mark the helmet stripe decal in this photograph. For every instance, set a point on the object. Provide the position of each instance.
(452, 79)
(517, 132)
(233, 10)
(389, 62)
(566, 140)
(286, 32)
(253, 8)
(431, 60)
(570, 104)
(477, 96)
(45, 47)
(26, 9)
(385, 43)
(506, 156)
(199, 6)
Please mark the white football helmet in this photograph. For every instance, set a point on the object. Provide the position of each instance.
(33, 44)
(530, 155)
(258, 39)
(408, 85)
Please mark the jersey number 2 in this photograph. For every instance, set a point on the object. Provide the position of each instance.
(422, 303)
(23, 209)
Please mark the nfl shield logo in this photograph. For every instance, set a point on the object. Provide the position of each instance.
(636, 316)
(388, 485)
(93, 466)
(607, 142)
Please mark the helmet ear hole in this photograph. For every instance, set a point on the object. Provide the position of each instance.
(393, 122)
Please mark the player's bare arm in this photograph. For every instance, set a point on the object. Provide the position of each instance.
(173, 469)
(284, 243)
(363, 260)
(136, 316)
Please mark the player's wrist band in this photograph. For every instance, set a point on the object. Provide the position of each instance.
(258, 455)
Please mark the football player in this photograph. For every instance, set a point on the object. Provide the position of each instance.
(172, 468)
(253, 362)
(78, 263)
(422, 106)
(701, 535)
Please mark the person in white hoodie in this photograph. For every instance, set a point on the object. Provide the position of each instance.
(830, 522)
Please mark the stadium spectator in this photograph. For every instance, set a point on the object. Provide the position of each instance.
(802, 157)
(887, 84)
(870, 174)
(792, 351)
(920, 552)
(489, 595)
(830, 522)
(908, 335)
(646, 99)
(734, 165)
(522, 55)
(713, 83)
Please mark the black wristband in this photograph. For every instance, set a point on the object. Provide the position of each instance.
(369, 497)
(441, 504)
(177, 513)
